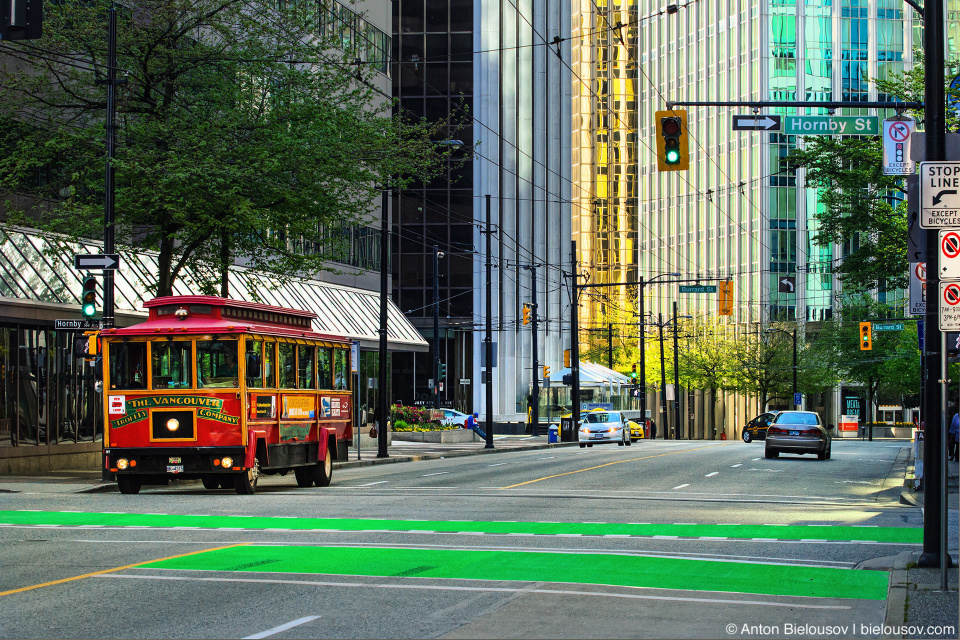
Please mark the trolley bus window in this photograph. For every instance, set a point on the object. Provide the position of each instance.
(254, 365)
(288, 378)
(128, 365)
(171, 365)
(305, 367)
(217, 363)
(340, 368)
(270, 372)
(325, 367)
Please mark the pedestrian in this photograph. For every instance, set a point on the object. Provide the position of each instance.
(471, 422)
(653, 429)
(953, 435)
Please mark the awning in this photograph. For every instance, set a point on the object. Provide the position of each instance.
(594, 375)
(38, 268)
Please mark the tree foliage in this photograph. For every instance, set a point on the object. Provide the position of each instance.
(243, 133)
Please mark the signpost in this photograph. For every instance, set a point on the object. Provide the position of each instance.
(896, 146)
(756, 123)
(832, 125)
(105, 261)
(698, 288)
(939, 195)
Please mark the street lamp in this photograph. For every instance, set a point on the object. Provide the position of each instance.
(643, 350)
(794, 336)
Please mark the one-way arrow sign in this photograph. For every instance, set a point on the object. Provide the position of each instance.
(96, 261)
(756, 123)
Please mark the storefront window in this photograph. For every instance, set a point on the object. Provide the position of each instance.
(217, 364)
(171, 365)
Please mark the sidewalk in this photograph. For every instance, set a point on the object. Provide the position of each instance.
(914, 598)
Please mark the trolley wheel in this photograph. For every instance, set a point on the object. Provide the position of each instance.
(129, 484)
(304, 476)
(210, 482)
(245, 482)
(323, 471)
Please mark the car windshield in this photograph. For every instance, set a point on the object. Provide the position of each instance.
(602, 417)
(798, 418)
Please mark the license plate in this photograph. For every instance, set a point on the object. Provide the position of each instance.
(176, 460)
(597, 436)
(174, 468)
(794, 433)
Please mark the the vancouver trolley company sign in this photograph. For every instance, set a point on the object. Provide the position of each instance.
(135, 409)
(832, 125)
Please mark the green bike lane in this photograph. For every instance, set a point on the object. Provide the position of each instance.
(594, 568)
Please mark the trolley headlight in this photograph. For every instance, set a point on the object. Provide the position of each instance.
(227, 462)
(173, 424)
(122, 464)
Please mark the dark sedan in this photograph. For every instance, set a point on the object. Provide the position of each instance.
(797, 432)
(757, 428)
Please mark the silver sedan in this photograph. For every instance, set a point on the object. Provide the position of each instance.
(797, 432)
(604, 426)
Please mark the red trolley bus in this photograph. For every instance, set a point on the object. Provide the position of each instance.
(224, 390)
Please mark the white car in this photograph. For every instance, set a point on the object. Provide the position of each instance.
(604, 426)
(452, 417)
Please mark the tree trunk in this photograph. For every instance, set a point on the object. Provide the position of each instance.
(224, 264)
(165, 265)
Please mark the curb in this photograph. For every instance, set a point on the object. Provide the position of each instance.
(896, 607)
(111, 487)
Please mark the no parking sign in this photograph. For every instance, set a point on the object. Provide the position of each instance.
(949, 253)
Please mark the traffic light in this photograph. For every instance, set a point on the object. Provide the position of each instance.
(633, 374)
(866, 339)
(526, 314)
(546, 371)
(88, 297)
(672, 140)
(566, 357)
(443, 371)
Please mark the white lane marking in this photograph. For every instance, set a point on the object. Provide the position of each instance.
(282, 627)
(361, 585)
(755, 459)
(681, 486)
(548, 458)
(499, 464)
(710, 475)
(438, 473)
(734, 466)
(370, 484)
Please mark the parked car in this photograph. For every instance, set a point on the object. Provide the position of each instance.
(454, 417)
(798, 432)
(604, 426)
(756, 429)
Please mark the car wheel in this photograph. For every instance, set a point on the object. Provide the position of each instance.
(746, 436)
(829, 448)
(582, 446)
(770, 453)
(629, 441)
(590, 444)
(129, 484)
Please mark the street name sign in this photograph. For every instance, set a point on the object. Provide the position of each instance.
(105, 261)
(756, 123)
(888, 326)
(698, 288)
(832, 125)
(897, 134)
(949, 306)
(940, 194)
(84, 324)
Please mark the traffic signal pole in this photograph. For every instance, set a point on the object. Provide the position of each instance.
(109, 197)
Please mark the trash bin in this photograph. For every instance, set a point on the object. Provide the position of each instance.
(552, 433)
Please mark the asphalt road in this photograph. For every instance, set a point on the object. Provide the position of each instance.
(662, 539)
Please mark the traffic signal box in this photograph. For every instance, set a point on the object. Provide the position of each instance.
(526, 314)
(633, 374)
(546, 371)
(88, 297)
(866, 337)
(672, 140)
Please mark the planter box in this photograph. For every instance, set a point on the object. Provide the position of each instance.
(453, 436)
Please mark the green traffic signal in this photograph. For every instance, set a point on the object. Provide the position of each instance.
(88, 298)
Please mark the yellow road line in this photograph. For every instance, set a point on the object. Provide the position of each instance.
(127, 566)
(659, 455)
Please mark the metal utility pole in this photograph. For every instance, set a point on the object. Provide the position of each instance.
(575, 338)
(437, 254)
(382, 399)
(535, 386)
(489, 337)
(109, 195)
(663, 385)
(643, 357)
(934, 108)
(610, 346)
(676, 375)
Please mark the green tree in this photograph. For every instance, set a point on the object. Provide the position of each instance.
(707, 362)
(764, 364)
(243, 133)
(861, 206)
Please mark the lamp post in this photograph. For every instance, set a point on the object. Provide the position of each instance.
(643, 350)
(794, 337)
